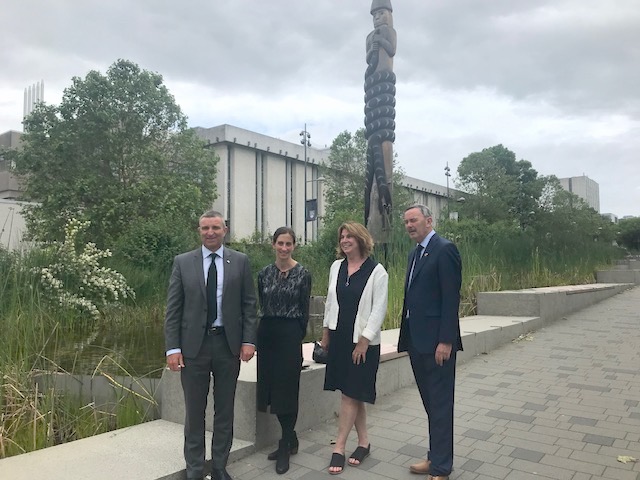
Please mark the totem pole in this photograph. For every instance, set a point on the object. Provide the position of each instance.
(380, 101)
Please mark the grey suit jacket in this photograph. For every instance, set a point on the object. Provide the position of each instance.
(186, 317)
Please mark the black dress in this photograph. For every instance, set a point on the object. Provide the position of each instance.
(354, 381)
(284, 302)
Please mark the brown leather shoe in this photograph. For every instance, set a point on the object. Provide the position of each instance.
(438, 477)
(420, 468)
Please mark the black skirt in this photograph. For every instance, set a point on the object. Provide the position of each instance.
(279, 364)
(354, 381)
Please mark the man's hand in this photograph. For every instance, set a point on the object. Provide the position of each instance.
(246, 352)
(443, 352)
(175, 362)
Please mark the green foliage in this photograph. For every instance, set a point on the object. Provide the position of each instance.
(76, 280)
(153, 242)
(344, 178)
(116, 152)
(628, 234)
(501, 188)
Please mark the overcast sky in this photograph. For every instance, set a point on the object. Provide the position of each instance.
(557, 82)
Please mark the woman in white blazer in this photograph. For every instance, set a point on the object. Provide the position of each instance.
(355, 308)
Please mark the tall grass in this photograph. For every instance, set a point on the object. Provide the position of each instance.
(34, 339)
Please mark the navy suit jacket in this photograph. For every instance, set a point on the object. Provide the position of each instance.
(432, 299)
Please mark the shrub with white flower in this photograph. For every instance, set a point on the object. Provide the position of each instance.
(77, 281)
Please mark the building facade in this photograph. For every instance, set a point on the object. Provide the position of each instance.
(9, 186)
(585, 188)
(261, 183)
(12, 224)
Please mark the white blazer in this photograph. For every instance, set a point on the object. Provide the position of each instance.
(371, 309)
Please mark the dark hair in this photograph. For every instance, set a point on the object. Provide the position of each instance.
(284, 231)
(362, 236)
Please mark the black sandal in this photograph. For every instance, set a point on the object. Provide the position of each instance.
(359, 455)
(337, 460)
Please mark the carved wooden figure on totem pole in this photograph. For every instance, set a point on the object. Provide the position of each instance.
(380, 113)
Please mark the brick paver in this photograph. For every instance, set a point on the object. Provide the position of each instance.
(561, 406)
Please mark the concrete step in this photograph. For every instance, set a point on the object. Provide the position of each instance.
(149, 451)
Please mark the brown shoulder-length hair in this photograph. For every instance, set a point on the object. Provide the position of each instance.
(362, 236)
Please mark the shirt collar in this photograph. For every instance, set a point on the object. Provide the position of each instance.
(426, 240)
(206, 252)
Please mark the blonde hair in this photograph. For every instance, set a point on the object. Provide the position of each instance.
(362, 236)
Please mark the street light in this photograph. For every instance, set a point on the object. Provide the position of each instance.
(447, 173)
(305, 141)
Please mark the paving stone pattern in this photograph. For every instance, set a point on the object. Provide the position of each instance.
(562, 406)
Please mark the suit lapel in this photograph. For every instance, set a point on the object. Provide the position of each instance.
(228, 265)
(197, 264)
(427, 251)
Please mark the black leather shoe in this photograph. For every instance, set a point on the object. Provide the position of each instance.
(282, 462)
(293, 448)
(220, 474)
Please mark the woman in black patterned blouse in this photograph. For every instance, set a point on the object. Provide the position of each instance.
(284, 288)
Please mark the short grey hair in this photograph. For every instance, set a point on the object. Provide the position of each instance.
(212, 214)
(424, 210)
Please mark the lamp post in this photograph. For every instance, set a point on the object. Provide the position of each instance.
(305, 141)
(447, 173)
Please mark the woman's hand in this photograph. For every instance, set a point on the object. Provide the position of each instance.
(324, 343)
(359, 354)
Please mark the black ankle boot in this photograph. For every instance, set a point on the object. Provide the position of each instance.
(293, 444)
(293, 448)
(282, 460)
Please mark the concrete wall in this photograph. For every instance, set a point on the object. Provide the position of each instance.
(549, 303)
(12, 224)
(585, 188)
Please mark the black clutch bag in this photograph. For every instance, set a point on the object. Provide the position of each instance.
(319, 353)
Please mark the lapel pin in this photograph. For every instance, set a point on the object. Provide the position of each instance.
(228, 261)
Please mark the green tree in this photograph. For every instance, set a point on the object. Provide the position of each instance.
(116, 152)
(345, 178)
(565, 221)
(629, 233)
(502, 187)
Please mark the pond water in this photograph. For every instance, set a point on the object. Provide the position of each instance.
(136, 350)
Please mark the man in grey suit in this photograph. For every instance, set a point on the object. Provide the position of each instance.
(210, 325)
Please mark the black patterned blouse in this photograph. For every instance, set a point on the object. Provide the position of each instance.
(285, 295)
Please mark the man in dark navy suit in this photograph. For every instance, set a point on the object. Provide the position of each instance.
(430, 332)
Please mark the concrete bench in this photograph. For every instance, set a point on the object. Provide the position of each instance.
(548, 303)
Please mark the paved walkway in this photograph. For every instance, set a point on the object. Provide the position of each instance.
(562, 403)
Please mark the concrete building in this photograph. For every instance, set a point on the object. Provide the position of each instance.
(9, 187)
(12, 224)
(584, 188)
(261, 183)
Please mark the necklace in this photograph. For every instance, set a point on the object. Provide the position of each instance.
(354, 272)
